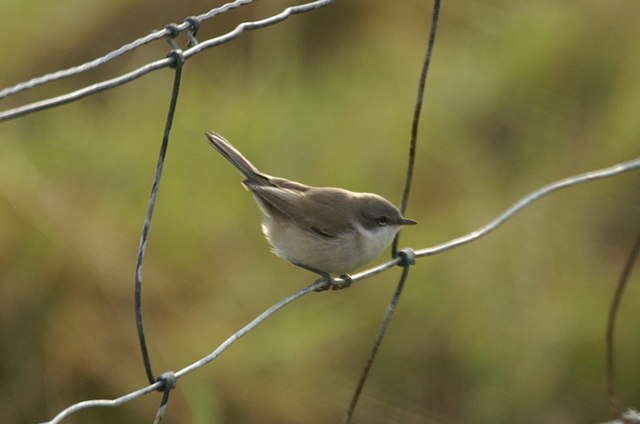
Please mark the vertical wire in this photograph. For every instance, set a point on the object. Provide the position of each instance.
(168, 380)
(408, 256)
(149, 215)
(614, 407)
(162, 408)
(416, 117)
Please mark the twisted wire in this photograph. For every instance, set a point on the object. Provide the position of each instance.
(161, 63)
(99, 61)
(178, 61)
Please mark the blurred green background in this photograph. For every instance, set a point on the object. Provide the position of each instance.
(507, 329)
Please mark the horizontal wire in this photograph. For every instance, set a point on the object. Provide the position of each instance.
(110, 403)
(86, 91)
(292, 10)
(516, 207)
(162, 63)
(154, 35)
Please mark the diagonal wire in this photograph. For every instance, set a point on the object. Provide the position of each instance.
(177, 59)
(159, 64)
(611, 171)
(530, 198)
(405, 199)
(152, 36)
(194, 366)
(614, 407)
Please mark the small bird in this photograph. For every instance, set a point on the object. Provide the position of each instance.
(325, 230)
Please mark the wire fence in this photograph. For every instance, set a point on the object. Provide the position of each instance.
(405, 257)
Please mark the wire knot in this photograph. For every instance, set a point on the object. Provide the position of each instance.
(172, 30)
(194, 27)
(178, 58)
(407, 257)
(168, 380)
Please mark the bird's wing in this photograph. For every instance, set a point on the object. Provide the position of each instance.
(275, 199)
(288, 184)
(310, 210)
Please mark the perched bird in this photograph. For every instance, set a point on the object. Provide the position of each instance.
(325, 230)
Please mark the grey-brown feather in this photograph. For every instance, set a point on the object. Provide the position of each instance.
(236, 158)
(309, 208)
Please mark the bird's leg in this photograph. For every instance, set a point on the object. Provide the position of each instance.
(326, 277)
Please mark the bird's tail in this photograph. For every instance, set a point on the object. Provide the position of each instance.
(234, 156)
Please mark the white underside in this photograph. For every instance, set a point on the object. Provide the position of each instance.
(338, 255)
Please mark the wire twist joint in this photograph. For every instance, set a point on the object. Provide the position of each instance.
(407, 257)
(178, 58)
(168, 380)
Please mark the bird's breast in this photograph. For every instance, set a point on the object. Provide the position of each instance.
(335, 255)
(373, 242)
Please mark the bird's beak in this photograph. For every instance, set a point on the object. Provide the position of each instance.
(407, 221)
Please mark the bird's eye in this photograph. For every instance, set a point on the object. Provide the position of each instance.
(382, 221)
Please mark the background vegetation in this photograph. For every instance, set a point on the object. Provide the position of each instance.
(508, 329)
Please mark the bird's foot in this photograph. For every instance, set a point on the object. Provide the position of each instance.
(329, 283)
